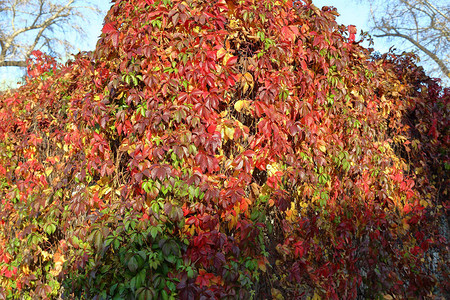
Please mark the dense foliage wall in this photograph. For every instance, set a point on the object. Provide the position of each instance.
(231, 149)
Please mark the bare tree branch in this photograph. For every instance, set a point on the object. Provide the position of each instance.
(433, 56)
(14, 63)
(27, 25)
(422, 23)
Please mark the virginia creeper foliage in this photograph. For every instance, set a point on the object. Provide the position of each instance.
(219, 149)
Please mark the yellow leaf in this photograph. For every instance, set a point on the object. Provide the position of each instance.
(291, 215)
(248, 77)
(221, 53)
(272, 169)
(237, 209)
(3, 281)
(321, 146)
(46, 255)
(245, 88)
(232, 221)
(234, 24)
(405, 225)
(424, 203)
(239, 105)
(226, 58)
(276, 294)
(263, 268)
(303, 204)
(247, 82)
(48, 170)
(229, 132)
(25, 269)
(103, 181)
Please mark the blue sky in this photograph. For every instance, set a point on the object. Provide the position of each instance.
(10, 75)
(96, 24)
(352, 12)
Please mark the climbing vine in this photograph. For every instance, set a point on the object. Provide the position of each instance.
(231, 149)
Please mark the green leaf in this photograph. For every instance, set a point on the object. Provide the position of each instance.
(345, 165)
(170, 258)
(132, 264)
(190, 272)
(133, 283)
(171, 286)
(116, 244)
(50, 228)
(145, 293)
(323, 198)
(164, 295)
(140, 278)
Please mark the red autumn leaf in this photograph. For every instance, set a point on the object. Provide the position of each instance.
(407, 208)
(202, 160)
(299, 250)
(290, 32)
(352, 32)
(160, 172)
(115, 39)
(108, 28)
(36, 53)
(212, 128)
(231, 61)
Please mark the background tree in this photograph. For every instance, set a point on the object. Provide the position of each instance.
(422, 23)
(47, 25)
